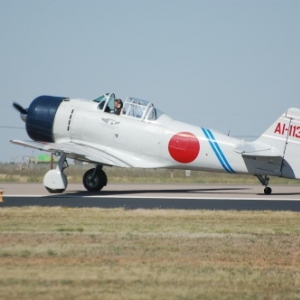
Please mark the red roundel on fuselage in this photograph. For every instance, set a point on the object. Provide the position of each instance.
(184, 147)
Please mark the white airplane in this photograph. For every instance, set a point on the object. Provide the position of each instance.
(141, 136)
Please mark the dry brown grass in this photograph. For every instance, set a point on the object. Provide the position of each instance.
(66, 253)
(35, 173)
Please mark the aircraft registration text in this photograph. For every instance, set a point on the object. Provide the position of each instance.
(293, 131)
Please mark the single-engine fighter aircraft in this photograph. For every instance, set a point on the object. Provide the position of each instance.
(109, 132)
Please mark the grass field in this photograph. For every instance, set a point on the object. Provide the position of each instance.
(68, 253)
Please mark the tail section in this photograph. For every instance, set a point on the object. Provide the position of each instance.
(286, 128)
(277, 151)
(290, 130)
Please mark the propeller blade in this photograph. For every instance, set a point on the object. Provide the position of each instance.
(19, 108)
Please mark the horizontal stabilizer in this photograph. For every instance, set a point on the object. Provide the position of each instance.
(257, 148)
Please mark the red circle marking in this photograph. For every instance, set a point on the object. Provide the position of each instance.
(184, 147)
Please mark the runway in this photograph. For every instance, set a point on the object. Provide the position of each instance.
(160, 196)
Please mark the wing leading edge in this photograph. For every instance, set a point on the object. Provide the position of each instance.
(101, 155)
(75, 151)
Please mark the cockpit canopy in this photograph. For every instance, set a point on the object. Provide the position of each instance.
(132, 107)
(106, 102)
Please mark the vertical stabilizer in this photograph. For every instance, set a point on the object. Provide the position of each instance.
(284, 136)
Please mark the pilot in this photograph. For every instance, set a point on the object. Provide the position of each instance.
(118, 106)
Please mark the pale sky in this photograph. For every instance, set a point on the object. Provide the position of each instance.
(225, 65)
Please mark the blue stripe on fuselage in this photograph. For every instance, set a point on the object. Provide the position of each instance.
(217, 150)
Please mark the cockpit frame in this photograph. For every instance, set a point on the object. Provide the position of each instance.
(133, 107)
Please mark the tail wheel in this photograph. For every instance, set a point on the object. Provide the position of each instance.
(267, 190)
(264, 180)
(94, 180)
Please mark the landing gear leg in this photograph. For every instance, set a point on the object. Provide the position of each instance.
(264, 180)
(94, 179)
(55, 181)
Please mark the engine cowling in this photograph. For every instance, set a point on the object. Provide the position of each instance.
(40, 118)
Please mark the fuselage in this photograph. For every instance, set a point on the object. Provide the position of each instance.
(146, 142)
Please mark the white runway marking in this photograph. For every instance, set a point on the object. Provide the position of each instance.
(209, 197)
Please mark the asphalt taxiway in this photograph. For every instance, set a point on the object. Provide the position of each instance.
(163, 196)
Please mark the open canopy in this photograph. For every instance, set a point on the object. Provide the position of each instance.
(132, 107)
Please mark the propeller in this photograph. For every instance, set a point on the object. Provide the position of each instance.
(19, 108)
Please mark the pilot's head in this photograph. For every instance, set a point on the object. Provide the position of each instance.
(118, 103)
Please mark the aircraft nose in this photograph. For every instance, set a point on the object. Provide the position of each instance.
(40, 118)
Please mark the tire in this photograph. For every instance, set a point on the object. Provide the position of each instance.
(54, 191)
(268, 190)
(94, 183)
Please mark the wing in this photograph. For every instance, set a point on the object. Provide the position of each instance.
(77, 151)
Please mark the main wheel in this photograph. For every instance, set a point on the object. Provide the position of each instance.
(55, 181)
(94, 181)
(267, 190)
